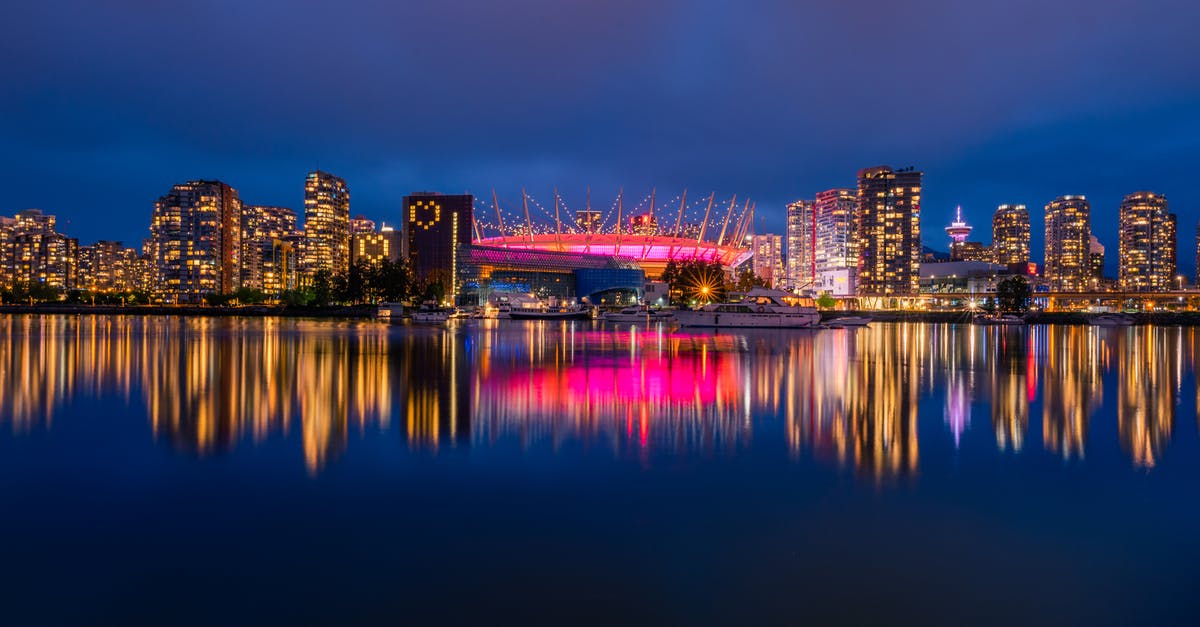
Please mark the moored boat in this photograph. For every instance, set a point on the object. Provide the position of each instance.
(637, 314)
(847, 321)
(760, 308)
(565, 313)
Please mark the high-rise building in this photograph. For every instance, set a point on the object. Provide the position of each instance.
(836, 251)
(768, 258)
(7, 226)
(1068, 244)
(196, 233)
(326, 225)
(361, 224)
(268, 248)
(108, 266)
(801, 265)
(434, 227)
(587, 221)
(889, 231)
(35, 252)
(1096, 261)
(371, 247)
(1146, 244)
(643, 224)
(1010, 235)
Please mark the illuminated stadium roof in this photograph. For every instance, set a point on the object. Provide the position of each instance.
(647, 233)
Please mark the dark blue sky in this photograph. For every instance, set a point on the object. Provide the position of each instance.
(106, 104)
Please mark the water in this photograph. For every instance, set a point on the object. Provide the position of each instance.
(200, 471)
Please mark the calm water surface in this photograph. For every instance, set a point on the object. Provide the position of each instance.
(227, 471)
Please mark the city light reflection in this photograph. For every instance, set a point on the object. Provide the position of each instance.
(844, 398)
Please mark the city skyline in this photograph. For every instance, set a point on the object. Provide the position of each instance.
(1019, 124)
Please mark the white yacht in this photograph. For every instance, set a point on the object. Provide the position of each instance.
(760, 308)
(637, 314)
(501, 305)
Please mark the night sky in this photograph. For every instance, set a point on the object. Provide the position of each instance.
(106, 104)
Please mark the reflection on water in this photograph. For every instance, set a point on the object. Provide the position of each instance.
(844, 397)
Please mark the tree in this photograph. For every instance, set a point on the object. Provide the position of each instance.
(390, 281)
(249, 296)
(1013, 295)
(826, 301)
(747, 281)
(322, 288)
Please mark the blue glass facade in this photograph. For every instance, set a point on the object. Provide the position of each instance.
(609, 285)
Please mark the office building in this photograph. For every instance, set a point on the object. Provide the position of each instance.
(587, 221)
(643, 224)
(326, 225)
(371, 247)
(889, 232)
(361, 224)
(195, 234)
(1068, 244)
(1010, 235)
(1146, 244)
(434, 227)
(801, 263)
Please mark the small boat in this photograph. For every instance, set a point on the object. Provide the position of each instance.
(430, 312)
(760, 308)
(1002, 319)
(1111, 320)
(847, 321)
(637, 314)
(389, 310)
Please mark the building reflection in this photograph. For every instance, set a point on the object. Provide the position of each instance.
(1073, 388)
(1011, 374)
(854, 395)
(206, 383)
(844, 397)
(1149, 367)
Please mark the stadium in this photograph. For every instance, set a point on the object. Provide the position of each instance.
(647, 232)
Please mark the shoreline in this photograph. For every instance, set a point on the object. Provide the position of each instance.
(1187, 318)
